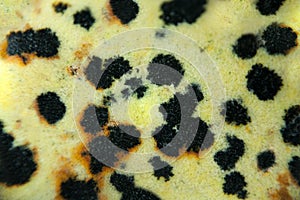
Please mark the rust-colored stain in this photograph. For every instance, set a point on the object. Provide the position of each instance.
(72, 70)
(83, 52)
(282, 193)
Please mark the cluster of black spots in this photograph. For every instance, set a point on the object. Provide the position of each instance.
(125, 185)
(269, 7)
(94, 118)
(234, 184)
(124, 137)
(265, 160)
(235, 113)
(294, 168)
(140, 92)
(227, 158)
(96, 166)
(291, 132)
(198, 92)
(115, 69)
(50, 107)
(43, 43)
(17, 163)
(60, 7)
(125, 10)
(165, 70)
(179, 11)
(93, 71)
(263, 82)
(246, 46)
(84, 18)
(279, 39)
(73, 189)
(202, 135)
(165, 171)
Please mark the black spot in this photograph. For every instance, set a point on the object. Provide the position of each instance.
(84, 18)
(140, 92)
(178, 11)
(6, 140)
(161, 168)
(125, 184)
(93, 71)
(125, 10)
(165, 136)
(17, 165)
(60, 7)
(227, 158)
(291, 132)
(51, 107)
(73, 189)
(265, 160)
(279, 39)
(43, 43)
(165, 70)
(236, 113)
(115, 69)
(234, 184)
(263, 82)
(124, 137)
(95, 165)
(269, 7)
(294, 167)
(202, 135)
(246, 46)
(198, 92)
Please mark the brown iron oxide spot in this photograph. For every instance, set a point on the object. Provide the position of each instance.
(282, 193)
(83, 51)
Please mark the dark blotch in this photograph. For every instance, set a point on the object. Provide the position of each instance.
(161, 168)
(95, 165)
(234, 184)
(139, 193)
(51, 107)
(179, 11)
(279, 39)
(294, 167)
(6, 140)
(268, 7)
(246, 46)
(263, 82)
(84, 18)
(125, 10)
(198, 92)
(94, 70)
(236, 113)
(165, 70)
(43, 43)
(227, 158)
(115, 69)
(140, 92)
(124, 137)
(291, 132)
(265, 160)
(60, 7)
(73, 189)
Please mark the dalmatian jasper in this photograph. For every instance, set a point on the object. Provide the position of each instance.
(163, 99)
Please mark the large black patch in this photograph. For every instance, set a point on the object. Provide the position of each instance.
(84, 18)
(268, 7)
(236, 113)
(265, 160)
(294, 167)
(234, 184)
(246, 46)
(291, 132)
(125, 10)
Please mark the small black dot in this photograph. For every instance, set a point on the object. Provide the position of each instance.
(140, 92)
(179, 11)
(265, 160)
(165, 172)
(84, 18)
(165, 70)
(227, 158)
(51, 107)
(263, 82)
(73, 189)
(246, 46)
(125, 10)
(236, 113)
(43, 43)
(269, 7)
(60, 7)
(279, 39)
(291, 131)
(115, 69)
(234, 184)
(124, 137)
(17, 165)
(294, 167)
